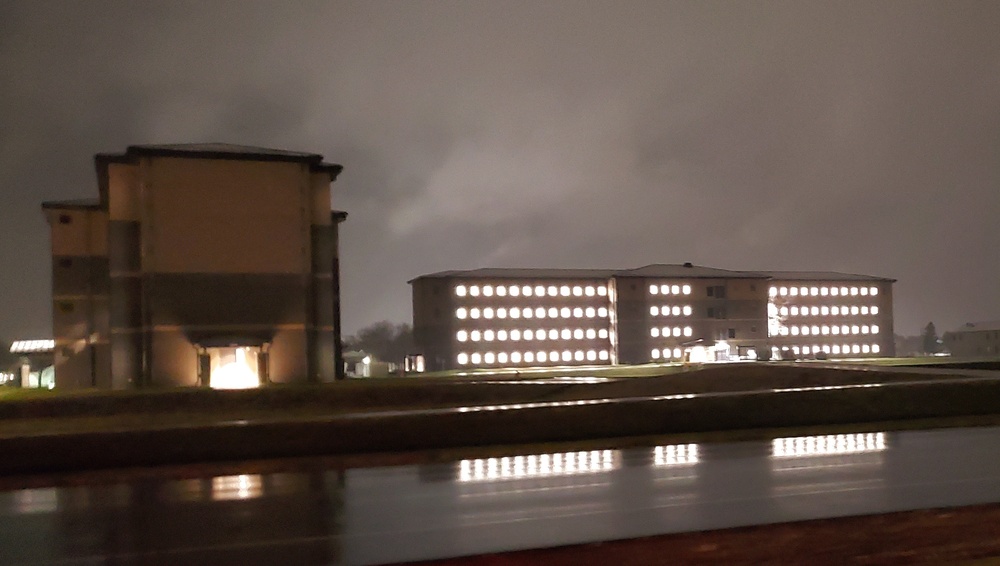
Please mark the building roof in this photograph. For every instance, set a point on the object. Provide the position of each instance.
(823, 276)
(688, 271)
(519, 273)
(220, 151)
(984, 326)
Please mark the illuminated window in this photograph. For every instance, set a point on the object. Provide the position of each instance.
(591, 355)
(567, 356)
(804, 291)
(462, 336)
(873, 291)
(875, 329)
(826, 348)
(553, 334)
(664, 289)
(855, 329)
(677, 331)
(654, 311)
(591, 334)
(553, 312)
(488, 335)
(515, 312)
(529, 357)
(825, 329)
(814, 329)
(794, 291)
(501, 312)
(502, 335)
(553, 291)
(655, 353)
(539, 312)
(843, 291)
(855, 349)
(602, 333)
(835, 330)
(514, 290)
(487, 312)
(773, 291)
(805, 349)
(539, 335)
(578, 334)
(824, 291)
(487, 290)
(577, 291)
(564, 291)
(688, 331)
(463, 358)
(783, 331)
(864, 310)
(814, 291)
(783, 291)
(835, 310)
(515, 335)
(864, 290)
(489, 358)
(834, 291)
(874, 310)
(654, 332)
(687, 310)
(864, 329)
(677, 352)
(526, 291)
(795, 311)
(805, 331)
(795, 331)
(676, 311)
(515, 357)
(795, 350)
(565, 312)
(477, 358)
(845, 329)
(476, 336)
(474, 313)
(876, 348)
(539, 291)
(461, 291)
(783, 311)
(865, 348)
(602, 312)
(528, 313)
(474, 290)
(501, 291)
(602, 355)
(577, 312)
(591, 312)
(814, 311)
(836, 349)
(502, 357)
(461, 313)
(566, 334)
(675, 289)
(542, 357)
(824, 310)
(602, 291)
(855, 310)
(578, 355)
(654, 290)
(686, 289)
(589, 291)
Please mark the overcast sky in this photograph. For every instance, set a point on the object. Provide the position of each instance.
(861, 137)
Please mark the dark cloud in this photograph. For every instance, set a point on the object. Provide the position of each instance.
(781, 135)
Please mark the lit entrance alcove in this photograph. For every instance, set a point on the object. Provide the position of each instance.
(233, 366)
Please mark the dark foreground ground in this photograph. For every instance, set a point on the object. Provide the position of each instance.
(966, 535)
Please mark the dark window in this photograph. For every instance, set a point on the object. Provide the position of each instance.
(65, 307)
(720, 292)
(65, 219)
(711, 311)
(732, 333)
(710, 290)
(65, 262)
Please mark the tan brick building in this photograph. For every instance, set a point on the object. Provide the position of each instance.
(202, 264)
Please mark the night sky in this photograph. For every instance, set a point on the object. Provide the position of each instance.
(861, 137)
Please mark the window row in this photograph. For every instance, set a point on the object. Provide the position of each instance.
(822, 291)
(529, 290)
(669, 289)
(667, 353)
(529, 334)
(463, 313)
(774, 310)
(667, 332)
(830, 349)
(490, 358)
(806, 330)
(666, 310)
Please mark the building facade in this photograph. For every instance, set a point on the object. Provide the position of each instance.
(203, 264)
(974, 339)
(658, 313)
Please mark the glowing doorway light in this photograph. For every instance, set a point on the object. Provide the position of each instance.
(234, 368)
(245, 486)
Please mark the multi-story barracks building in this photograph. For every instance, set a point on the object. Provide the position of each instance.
(489, 318)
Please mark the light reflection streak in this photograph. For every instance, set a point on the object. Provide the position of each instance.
(538, 465)
(518, 406)
(244, 486)
(830, 444)
(675, 455)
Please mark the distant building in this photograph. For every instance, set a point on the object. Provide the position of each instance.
(657, 313)
(974, 339)
(34, 364)
(203, 264)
